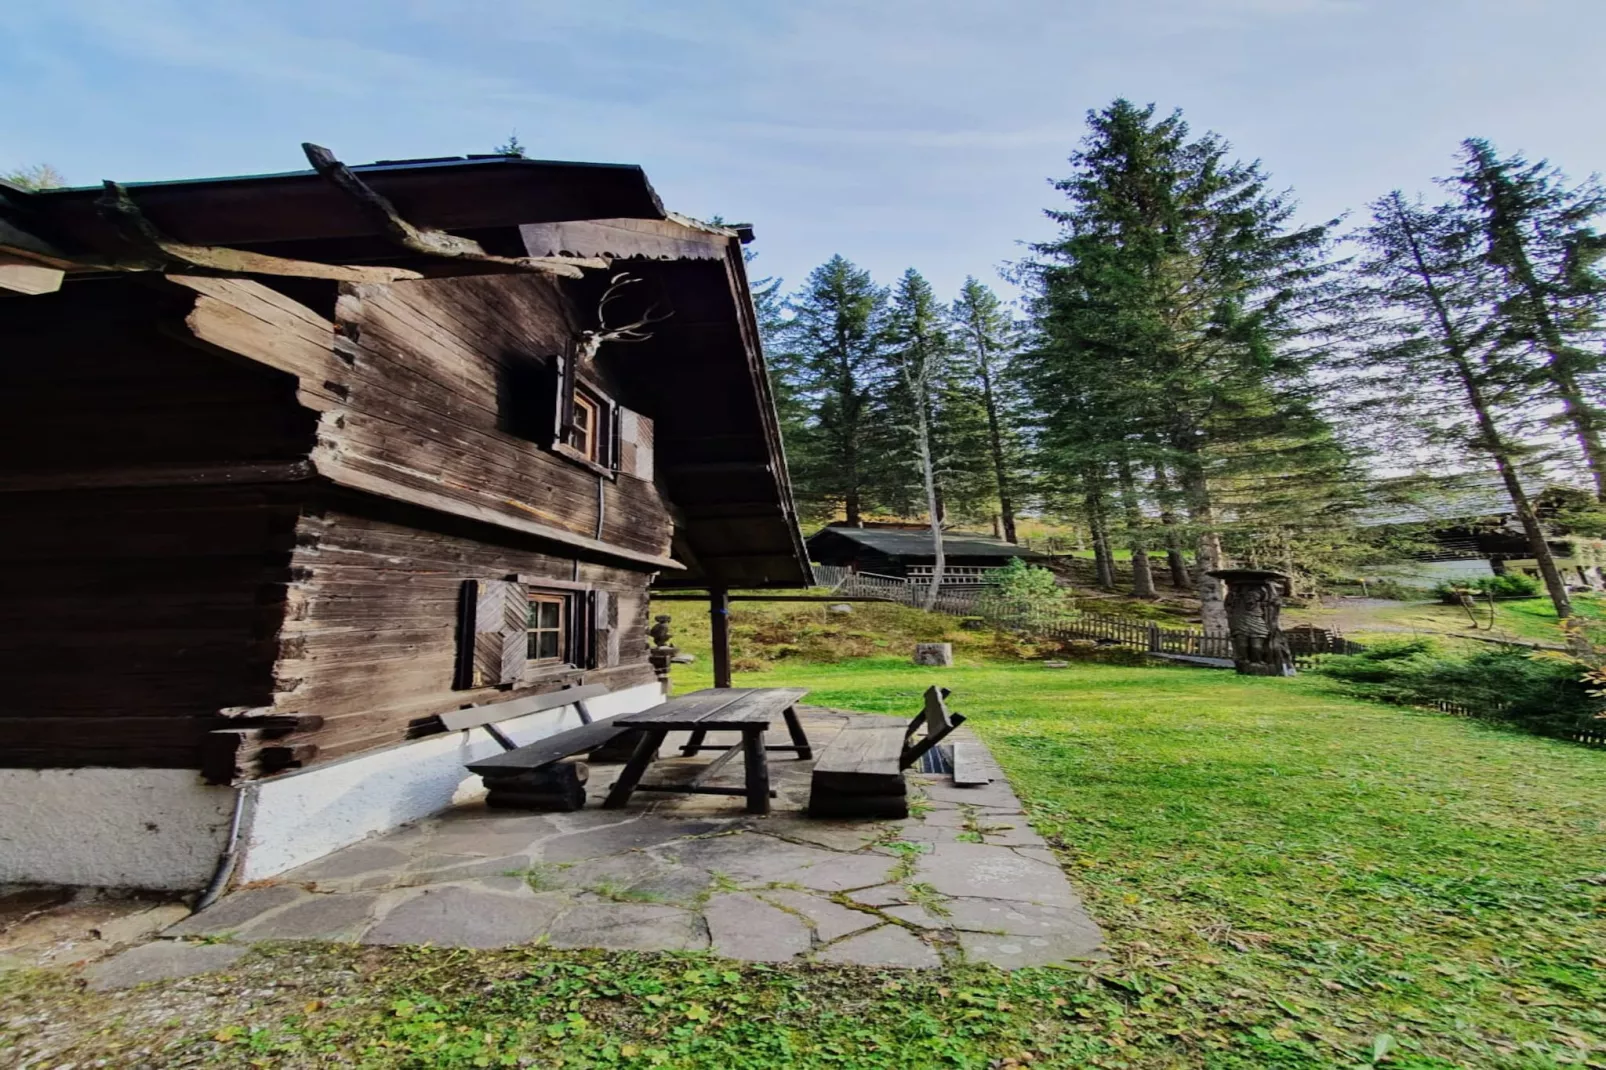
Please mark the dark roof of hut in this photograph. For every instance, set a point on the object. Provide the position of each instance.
(898, 543)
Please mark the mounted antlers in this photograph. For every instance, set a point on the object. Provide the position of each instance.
(591, 341)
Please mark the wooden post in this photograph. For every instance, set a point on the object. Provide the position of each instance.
(719, 616)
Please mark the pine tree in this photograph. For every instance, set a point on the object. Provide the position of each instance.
(511, 147)
(1436, 324)
(1174, 312)
(987, 341)
(918, 351)
(1538, 234)
(829, 364)
(39, 176)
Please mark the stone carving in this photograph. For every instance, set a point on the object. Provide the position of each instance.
(936, 654)
(662, 655)
(1254, 602)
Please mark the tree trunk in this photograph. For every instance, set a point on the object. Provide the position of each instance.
(1176, 562)
(1103, 562)
(1491, 439)
(917, 386)
(1207, 554)
(995, 437)
(1142, 576)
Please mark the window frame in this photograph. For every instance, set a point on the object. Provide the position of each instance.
(603, 455)
(565, 603)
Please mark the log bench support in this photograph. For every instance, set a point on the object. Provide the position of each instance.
(543, 775)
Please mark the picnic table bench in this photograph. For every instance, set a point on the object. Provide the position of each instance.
(536, 776)
(860, 772)
(748, 711)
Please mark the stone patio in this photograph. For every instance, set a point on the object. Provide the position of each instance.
(963, 879)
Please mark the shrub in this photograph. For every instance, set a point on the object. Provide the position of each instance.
(1511, 585)
(1395, 591)
(1542, 693)
(1027, 585)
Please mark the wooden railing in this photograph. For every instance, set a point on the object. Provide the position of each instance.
(986, 604)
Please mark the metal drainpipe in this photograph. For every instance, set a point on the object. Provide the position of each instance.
(231, 853)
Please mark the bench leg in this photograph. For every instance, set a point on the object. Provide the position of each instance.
(695, 743)
(758, 771)
(799, 741)
(630, 775)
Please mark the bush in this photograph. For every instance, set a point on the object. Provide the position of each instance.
(1394, 591)
(1511, 585)
(1541, 693)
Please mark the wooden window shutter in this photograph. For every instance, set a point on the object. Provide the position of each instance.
(563, 415)
(492, 633)
(604, 629)
(635, 444)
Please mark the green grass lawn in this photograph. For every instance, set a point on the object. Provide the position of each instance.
(1288, 878)
(1529, 620)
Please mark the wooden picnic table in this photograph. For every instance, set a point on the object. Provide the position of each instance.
(728, 709)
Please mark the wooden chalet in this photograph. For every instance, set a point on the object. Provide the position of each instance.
(907, 553)
(296, 463)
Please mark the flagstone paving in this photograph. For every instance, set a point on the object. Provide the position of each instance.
(964, 879)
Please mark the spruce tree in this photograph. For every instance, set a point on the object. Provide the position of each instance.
(1538, 234)
(918, 351)
(987, 343)
(1175, 312)
(1436, 323)
(829, 363)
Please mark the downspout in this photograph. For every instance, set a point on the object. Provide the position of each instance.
(243, 799)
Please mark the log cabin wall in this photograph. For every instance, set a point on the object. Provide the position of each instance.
(371, 643)
(447, 395)
(193, 462)
(437, 425)
(147, 514)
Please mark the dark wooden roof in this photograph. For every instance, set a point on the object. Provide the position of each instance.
(701, 376)
(297, 213)
(899, 543)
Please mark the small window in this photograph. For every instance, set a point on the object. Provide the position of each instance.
(585, 426)
(546, 634)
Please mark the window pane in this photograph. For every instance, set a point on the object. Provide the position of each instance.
(529, 647)
(582, 414)
(546, 644)
(549, 615)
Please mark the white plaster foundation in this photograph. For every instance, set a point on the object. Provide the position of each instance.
(298, 817)
(165, 829)
(158, 829)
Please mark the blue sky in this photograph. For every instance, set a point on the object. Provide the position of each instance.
(895, 132)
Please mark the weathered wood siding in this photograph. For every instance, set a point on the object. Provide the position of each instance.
(145, 537)
(371, 639)
(428, 408)
(215, 499)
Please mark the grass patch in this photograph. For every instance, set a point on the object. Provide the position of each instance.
(1288, 878)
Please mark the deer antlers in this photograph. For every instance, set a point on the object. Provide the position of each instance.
(591, 341)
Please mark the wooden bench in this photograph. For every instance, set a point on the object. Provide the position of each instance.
(538, 776)
(860, 772)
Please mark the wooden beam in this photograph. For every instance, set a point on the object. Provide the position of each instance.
(424, 240)
(622, 239)
(19, 243)
(719, 614)
(162, 253)
(25, 276)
